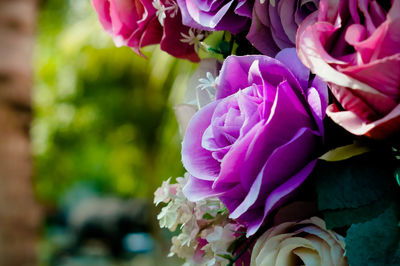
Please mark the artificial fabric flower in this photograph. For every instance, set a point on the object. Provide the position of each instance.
(256, 143)
(138, 23)
(200, 92)
(201, 85)
(233, 16)
(355, 47)
(205, 230)
(274, 23)
(165, 192)
(306, 243)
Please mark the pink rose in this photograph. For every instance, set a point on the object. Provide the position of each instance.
(355, 47)
(137, 23)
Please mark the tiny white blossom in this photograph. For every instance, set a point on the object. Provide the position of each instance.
(215, 229)
(171, 7)
(168, 216)
(183, 180)
(219, 240)
(163, 193)
(185, 239)
(211, 259)
(190, 229)
(160, 13)
(189, 263)
(182, 251)
(212, 262)
(194, 37)
(186, 213)
(208, 84)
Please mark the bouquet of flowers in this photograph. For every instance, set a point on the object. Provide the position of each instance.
(290, 127)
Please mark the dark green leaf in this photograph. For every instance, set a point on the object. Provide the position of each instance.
(225, 256)
(376, 242)
(223, 210)
(234, 246)
(397, 175)
(353, 183)
(343, 217)
(225, 48)
(208, 216)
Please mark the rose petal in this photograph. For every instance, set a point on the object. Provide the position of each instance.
(198, 189)
(291, 60)
(171, 39)
(378, 129)
(313, 55)
(259, 35)
(274, 172)
(197, 160)
(279, 195)
(102, 8)
(383, 74)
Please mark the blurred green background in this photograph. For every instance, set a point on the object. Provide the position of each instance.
(103, 115)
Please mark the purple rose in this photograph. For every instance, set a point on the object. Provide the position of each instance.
(256, 143)
(216, 14)
(274, 23)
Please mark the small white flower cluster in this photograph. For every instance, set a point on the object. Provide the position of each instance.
(219, 238)
(206, 231)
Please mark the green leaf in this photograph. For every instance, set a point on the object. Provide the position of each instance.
(208, 216)
(396, 257)
(355, 182)
(235, 245)
(224, 48)
(212, 43)
(397, 175)
(376, 242)
(345, 152)
(343, 217)
(223, 211)
(225, 256)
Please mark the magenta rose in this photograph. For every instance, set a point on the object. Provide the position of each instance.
(233, 16)
(355, 47)
(137, 23)
(256, 143)
(274, 23)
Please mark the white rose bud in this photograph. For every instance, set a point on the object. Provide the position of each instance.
(299, 243)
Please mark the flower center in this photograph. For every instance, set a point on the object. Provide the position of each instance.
(231, 119)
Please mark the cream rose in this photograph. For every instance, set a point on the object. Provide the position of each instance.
(299, 243)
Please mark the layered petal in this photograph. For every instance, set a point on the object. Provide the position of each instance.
(256, 143)
(197, 160)
(137, 23)
(216, 14)
(308, 241)
(274, 23)
(355, 47)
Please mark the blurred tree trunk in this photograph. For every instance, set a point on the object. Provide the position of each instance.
(19, 213)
